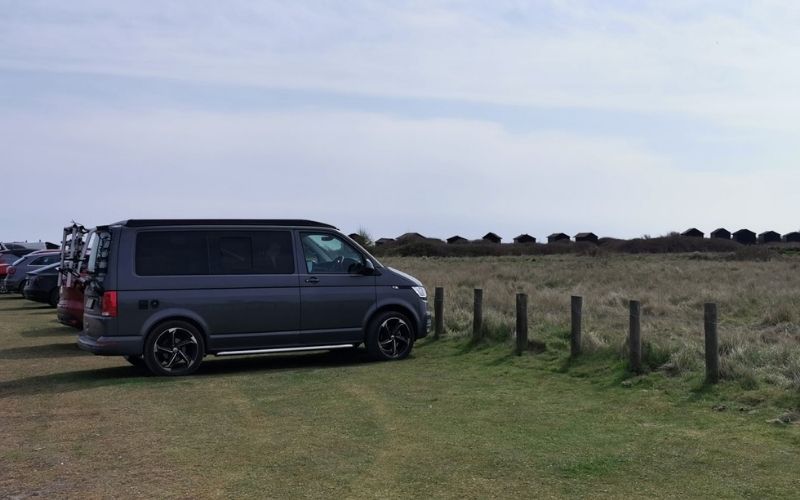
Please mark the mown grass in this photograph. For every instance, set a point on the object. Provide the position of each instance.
(454, 421)
(759, 304)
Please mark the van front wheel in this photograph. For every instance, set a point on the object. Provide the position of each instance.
(390, 336)
(174, 348)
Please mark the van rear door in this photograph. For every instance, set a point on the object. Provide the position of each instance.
(98, 283)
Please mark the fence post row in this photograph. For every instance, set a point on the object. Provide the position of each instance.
(477, 316)
(522, 323)
(634, 336)
(635, 339)
(712, 343)
(438, 312)
(575, 335)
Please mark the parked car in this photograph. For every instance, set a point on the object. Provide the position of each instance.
(18, 246)
(69, 309)
(165, 293)
(74, 256)
(15, 277)
(6, 259)
(41, 285)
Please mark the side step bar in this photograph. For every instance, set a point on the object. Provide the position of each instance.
(285, 349)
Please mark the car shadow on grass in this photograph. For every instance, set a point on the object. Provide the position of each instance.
(50, 331)
(59, 350)
(32, 307)
(126, 374)
(280, 362)
(59, 383)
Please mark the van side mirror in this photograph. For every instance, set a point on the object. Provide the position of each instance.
(368, 269)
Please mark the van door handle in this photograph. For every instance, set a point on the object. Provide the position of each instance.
(312, 279)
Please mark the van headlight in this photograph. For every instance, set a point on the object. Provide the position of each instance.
(420, 291)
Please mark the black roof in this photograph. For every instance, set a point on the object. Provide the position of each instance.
(222, 222)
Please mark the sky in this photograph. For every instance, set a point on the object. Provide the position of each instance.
(623, 117)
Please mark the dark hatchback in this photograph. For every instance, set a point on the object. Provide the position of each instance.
(41, 285)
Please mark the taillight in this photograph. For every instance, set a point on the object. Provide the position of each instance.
(11, 270)
(108, 305)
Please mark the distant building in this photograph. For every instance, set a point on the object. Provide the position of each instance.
(558, 237)
(409, 237)
(456, 239)
(587, 237)
(793, 237)
(525, 238)
(492, 238)
(769, 237)
(721, 234)
(383, 241)
(745, 237)
(693, 233)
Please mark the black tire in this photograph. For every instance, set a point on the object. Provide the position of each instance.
(136, 361)
(53, 297)
(173, 349)
(21, 288)
(390, 336)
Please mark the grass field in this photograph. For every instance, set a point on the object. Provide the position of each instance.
(759, 306)
(452, 421)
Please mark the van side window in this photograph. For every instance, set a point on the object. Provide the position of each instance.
(171, 253)
(252, 252)
(327, 253)
(273, 252)
(235, 254)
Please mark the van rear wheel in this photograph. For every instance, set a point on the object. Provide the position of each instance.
(174, 348)
(390, 336)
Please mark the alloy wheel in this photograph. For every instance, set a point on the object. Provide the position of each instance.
(175, 349)
(394, 337)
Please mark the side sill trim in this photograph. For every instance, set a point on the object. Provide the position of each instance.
(284, 349)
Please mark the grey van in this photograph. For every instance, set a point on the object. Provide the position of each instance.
(165, 293)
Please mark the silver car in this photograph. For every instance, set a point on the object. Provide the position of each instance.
(15, 279)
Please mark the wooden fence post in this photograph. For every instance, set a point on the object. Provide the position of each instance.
(635, 339)
(712, 344)
(438, 312)
(522, 323)
(575, 337)
(477, 316)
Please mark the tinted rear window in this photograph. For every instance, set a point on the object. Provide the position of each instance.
(171, 253)
(180, 253)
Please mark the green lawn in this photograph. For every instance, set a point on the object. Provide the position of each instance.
(449, 422)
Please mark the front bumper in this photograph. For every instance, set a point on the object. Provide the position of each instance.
(8, 286)
(425, 327)
(111, 346)
(36, 295)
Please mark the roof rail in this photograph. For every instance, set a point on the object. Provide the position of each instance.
(223, 222)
